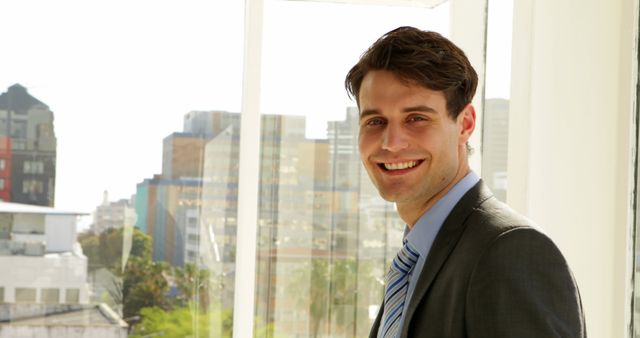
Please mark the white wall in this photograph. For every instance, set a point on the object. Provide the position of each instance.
(60, 231)
(570, 144)
(51, 271)
(67, 331)
(465, 14)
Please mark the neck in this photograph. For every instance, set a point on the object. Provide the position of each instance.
(410, 212)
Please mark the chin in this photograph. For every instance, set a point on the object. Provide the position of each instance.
(391, 197)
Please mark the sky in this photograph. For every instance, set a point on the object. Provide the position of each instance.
(120, 75)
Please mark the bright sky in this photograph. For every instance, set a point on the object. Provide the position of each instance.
(119, 75)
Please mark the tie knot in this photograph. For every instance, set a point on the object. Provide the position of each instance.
(406, 259)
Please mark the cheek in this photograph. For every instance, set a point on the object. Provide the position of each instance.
(365, 143)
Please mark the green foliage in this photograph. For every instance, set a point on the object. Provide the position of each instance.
(105, 250)
(328, 292)
(142, 289)
(331, 288)
(144, 285)
(184, 322)
(192, 285)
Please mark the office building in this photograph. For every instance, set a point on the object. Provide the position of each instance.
(46, 292)
(113, 215)
(318, 215)
(495, 142)
(29, 153)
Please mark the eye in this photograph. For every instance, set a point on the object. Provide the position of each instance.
(376, 121)
(417, 118)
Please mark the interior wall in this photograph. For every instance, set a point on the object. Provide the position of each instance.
(570, 149)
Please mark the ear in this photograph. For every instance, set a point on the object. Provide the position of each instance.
(466, 122)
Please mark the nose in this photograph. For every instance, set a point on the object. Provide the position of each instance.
(394, 138)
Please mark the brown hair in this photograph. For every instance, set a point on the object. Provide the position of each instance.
(419, 57)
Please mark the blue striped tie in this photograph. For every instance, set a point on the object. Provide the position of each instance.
(396, 290)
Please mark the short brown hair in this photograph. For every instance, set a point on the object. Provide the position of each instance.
(420, 57)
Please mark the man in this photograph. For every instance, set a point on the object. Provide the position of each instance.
(470, 266)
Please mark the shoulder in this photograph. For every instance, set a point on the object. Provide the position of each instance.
(505, 237)
(486, 221)
(519, 273)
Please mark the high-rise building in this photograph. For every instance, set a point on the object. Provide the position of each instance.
(5, 168)
(495, 142)
(322, 228)
(164, 209)
(321, 224)
(113, 215)
(168, 205)
(28, 148)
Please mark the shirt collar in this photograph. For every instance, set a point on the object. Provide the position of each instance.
(426, 228)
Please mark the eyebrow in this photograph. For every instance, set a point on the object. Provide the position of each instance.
(419, 108)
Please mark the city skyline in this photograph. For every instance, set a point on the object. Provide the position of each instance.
(111, 113)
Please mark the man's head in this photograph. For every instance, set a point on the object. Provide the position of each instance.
(423, 58)
(414, 90)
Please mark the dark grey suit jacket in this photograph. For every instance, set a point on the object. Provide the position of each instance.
(492, 273)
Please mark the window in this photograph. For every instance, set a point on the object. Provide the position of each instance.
(50, 296)
(176, 145)
(19, 129)
(317, 209)
(2, 295)
(495, 130)
(72, 296)
(25, 295)
(45, 131)
(33, 167)
(32, 187)
(3, 163)
(18, 144)
(1, 183)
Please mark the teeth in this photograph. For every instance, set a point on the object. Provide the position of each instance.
(400, 166)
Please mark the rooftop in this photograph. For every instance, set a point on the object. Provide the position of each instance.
(59, 315)
(17, 99)
(17, 208)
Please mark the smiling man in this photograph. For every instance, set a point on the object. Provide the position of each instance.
(470, 266)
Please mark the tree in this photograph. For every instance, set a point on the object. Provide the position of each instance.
(178, 323)
(328, 291)
(192, 285)
(105, 250)
(144, 284)
(312, 279)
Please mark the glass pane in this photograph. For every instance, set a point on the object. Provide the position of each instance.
(72, 296)
(325, 237)
(495, 127)
(25, 295)
(50, 296)
(106, 112)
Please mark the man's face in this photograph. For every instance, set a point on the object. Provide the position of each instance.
(411, 148)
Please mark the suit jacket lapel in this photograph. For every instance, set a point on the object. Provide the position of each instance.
(444, 243)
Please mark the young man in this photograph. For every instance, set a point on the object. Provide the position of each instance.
(470, 266)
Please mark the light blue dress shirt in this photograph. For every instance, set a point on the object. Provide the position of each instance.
(426, 228)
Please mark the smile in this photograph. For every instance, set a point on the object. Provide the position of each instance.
(399, 165)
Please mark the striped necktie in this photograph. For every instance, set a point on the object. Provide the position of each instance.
(396, 289)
